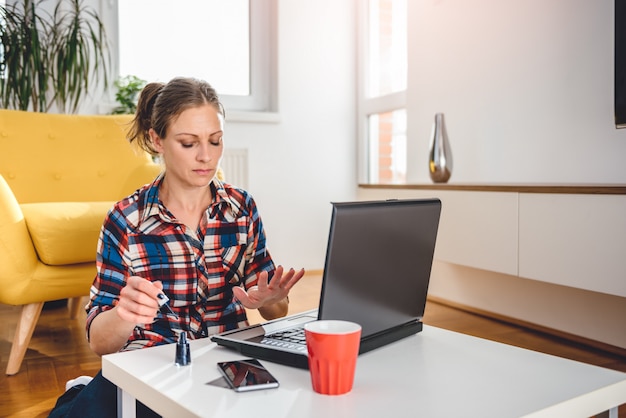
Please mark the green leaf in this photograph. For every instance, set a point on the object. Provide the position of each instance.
(48, 58)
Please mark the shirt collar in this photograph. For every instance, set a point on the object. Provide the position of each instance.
(222, 201)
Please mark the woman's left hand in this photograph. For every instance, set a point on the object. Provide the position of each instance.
(265, 293)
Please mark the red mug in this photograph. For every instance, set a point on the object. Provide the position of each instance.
(333, 348)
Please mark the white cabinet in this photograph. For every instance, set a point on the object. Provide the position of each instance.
(478, 229)
(574, 240)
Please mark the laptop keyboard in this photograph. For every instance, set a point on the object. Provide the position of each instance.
(292, 338)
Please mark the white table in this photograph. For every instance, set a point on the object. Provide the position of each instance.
(436, 373)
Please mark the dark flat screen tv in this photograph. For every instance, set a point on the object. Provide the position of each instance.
(620, 63)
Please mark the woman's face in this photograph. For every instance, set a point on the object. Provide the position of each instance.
(193, 146)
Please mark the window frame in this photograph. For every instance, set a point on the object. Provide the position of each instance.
(366, 105)
(262, 102)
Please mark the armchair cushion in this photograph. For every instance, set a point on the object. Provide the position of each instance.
(65, 232)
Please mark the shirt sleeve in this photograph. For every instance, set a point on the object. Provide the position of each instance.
(257, 255)
(111, 268)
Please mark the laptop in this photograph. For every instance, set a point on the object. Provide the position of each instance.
(376, 273)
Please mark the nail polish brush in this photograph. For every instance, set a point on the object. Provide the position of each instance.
(163, 301)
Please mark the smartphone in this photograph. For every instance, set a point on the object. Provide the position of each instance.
(246, 375)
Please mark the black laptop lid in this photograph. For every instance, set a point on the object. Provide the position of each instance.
(379, 259)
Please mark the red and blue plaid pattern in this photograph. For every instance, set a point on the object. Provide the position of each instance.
(198, 269)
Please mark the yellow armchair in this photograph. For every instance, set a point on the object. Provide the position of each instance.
(59, 175)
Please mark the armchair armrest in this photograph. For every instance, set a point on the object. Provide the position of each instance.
(18, 259)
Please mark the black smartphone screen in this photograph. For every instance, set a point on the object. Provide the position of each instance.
(248, 374)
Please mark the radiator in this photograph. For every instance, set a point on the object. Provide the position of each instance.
(235, 166)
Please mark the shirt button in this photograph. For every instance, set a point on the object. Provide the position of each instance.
(201, 268)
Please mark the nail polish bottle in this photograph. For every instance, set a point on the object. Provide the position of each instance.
(183, 354)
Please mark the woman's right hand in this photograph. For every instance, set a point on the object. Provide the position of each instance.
(138, 302)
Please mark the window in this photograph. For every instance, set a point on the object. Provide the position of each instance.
(387, 147)
(230, 44)
(382, 91)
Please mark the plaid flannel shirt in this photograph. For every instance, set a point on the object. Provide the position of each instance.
(198, 269)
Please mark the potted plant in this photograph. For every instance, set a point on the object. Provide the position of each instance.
(50, 58)
(128, 88)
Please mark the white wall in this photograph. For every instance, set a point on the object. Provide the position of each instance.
(526, 88)
(308, 159)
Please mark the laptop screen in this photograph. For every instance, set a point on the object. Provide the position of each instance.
(378, 262)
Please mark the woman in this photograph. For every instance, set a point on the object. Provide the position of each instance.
(187, 237)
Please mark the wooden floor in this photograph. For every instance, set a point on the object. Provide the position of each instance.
(58, 351)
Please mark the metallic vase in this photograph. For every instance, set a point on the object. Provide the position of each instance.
(440, 155)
